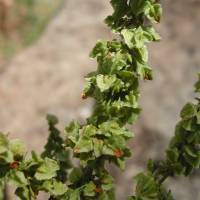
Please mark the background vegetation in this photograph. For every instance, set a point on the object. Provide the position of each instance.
(21, 22)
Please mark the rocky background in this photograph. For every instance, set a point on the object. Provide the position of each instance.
(48, 78)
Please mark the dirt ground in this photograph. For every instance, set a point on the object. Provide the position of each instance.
(48, 78)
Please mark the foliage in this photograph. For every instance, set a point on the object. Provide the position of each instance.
(182, 156)
(122, 64)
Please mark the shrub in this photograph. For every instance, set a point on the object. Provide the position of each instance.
(122, 64)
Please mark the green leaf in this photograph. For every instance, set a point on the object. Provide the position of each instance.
(112, 128)
(198, 117)
(17, 178)
(134, 38)
(107, 150)
(121, 163)
(149, 8)
(138, 6)
(99, 50)
(142, 55)
(35, 157)
(6, 157)
(137, 37)
(188, 111)
(178, 169)
(75, 175)
(107, 196)
(72, 131)
(190, 151)
(89, 130)
(17, 147)
(84, 145)
(120, 9)
(72, 195)
(187, 124)
(58, 188)
(144, 72)
(151, 34)
(47, 170)
(98, 147)
(104, 82)
(3, 143)
(88, 86)
(197, 85)
(173, 155)
(52, 119)
(89, 189)
(154, 12)
(24, 193)
(107, 182)
(54, 187)
(147, 188)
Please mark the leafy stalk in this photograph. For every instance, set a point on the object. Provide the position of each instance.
(122, 63)
(182, 156)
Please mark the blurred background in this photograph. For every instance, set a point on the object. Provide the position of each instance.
(44, 48)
